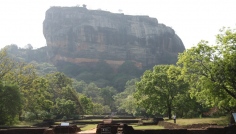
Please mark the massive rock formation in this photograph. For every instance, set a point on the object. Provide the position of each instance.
(79, 35)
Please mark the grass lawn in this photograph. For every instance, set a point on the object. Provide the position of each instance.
(26, 123)
(89, 127)
(137, 127)
(219, 121)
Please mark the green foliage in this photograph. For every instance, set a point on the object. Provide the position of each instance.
(106, 109)
(205, 78)
(107, 94)
(98, 109)
(85, 76)
(86, 103)
(6, 63)
(91, 91)
(100, 73)
(103, 96)
(64, 108)
(187, 107)
(68, 68)
(44, 68)
(120, 80)
(158, 89)
(102, 83)
(211, 70)
(24, 75)
(40, 96)
(128, 67)
(103, 68)
(10, 103)
(61, 88)
(27, 54)
(124, 101)
(78, 85)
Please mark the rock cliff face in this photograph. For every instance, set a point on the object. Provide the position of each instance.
(79, 35)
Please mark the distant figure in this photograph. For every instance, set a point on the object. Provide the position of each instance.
(174, 117)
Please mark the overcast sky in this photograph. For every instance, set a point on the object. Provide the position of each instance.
(21, 21)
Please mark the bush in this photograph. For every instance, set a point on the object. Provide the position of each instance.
(29, 116)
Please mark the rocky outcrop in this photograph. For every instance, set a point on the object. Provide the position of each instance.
(79, 35)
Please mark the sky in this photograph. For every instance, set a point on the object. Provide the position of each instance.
(21, 21)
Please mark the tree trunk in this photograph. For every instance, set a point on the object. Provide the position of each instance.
(169, 112)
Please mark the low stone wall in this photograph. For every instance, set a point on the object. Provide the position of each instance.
(22, 131)
(118, 127)
(72, 129)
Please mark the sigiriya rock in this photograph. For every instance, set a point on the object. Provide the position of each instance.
(79, 35)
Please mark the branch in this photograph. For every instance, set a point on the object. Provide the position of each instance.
(229, 92)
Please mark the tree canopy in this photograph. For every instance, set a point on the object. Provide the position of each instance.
(211, 70)
(158, 89)
(10, 103)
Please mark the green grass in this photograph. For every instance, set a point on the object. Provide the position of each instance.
(137, 127)
(26, 123)
(88, 120)
(219, 121)
(89, 127)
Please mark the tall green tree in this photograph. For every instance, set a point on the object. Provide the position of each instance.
(10, 103)
(211, 70)
(42, 96)
(158, 88)
(23, 75)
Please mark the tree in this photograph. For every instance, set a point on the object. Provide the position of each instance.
(61, 88)
(91, 91)
(129, 105)
(86, 103)
(70, 93)
(128, 67)
(120, 80)
(107, 94)
(10, 103)
(157, 89)
(65, 108)
(187, 106)
(211, 70)
(78, 85)
(28, 46)
(44, 68)
(98, 109)
(58, 80)
(6, 64)
(23, 75)
(124, 101)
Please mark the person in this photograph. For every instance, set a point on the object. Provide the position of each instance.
(174, 117)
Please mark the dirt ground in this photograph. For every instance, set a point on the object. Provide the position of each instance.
(169, 125)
